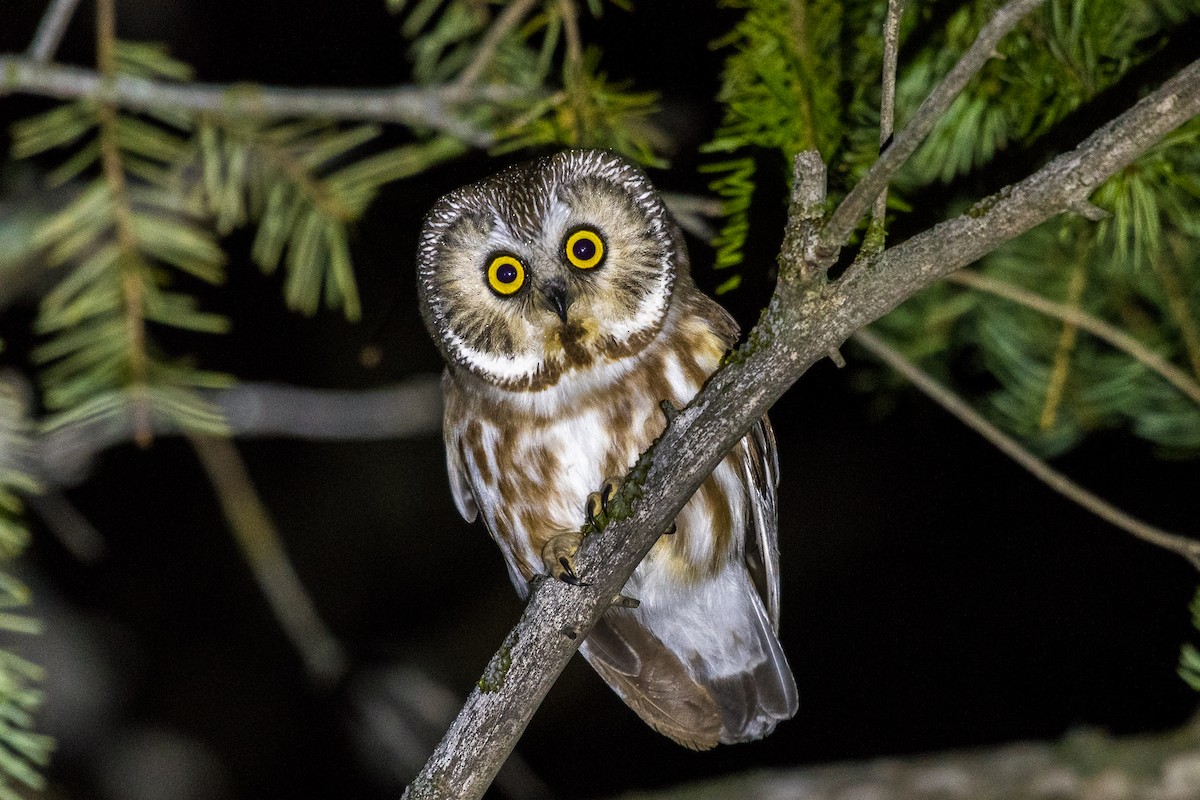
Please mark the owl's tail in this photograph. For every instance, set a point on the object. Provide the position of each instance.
(700, 664)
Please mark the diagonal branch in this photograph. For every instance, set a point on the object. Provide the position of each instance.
(841, 223)
(507, 20)
(433, 108)
(804, 320)
(51, 29)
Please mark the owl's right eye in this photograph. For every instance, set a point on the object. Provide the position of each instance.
(505, 274)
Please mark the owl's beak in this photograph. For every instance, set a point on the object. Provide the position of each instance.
(556, 297)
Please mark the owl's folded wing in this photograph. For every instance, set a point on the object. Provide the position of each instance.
(760, 472)
(652, 680)
(460, 488)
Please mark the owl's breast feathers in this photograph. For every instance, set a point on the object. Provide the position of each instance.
(699, 659)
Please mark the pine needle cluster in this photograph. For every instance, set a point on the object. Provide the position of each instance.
(23, 751)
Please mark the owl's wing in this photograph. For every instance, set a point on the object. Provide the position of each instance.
(760, 471)
(652, 680)
(460, 486)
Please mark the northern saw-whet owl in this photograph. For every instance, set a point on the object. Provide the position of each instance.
(560, 295)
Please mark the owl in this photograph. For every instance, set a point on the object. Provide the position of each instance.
(560, 295)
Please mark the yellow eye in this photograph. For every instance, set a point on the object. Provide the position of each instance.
(505, 274)
(585, 248)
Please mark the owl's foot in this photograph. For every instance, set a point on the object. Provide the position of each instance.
(558, 555)
(597, 502)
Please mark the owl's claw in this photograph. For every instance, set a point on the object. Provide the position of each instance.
(559, 557)
(597, 502)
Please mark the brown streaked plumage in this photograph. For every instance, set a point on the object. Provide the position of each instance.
(560, 295)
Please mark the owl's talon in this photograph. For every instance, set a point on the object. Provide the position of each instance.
(559, 557)
(596, 507)
(626, 602)
(671, 530)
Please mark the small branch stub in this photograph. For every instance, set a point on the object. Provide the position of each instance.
(798, 256)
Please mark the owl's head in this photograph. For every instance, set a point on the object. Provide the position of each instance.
(557, 264)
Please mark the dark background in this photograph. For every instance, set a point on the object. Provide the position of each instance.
(935, 595)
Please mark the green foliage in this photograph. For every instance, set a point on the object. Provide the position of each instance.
(795, 80)
(561, 98)
(297, 182)
(781, 84)
(120, 243)
(22, 751)
(1189, 656)
(156, 192)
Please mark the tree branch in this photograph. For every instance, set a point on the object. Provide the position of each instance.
(51, 29)
(837, 231)
(887, 105)
(407, 409)
(1181, 545)
(325, 659)
(414, 106)
(1084, 765)
(804, 320)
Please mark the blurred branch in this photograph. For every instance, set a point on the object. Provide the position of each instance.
(414, 106)
(1085, 765)
(807, 317)
(508, 19)
(951, 402)
(843, 221)
(407, 409)
(396, 713)
(51, 29)
(325, 660)
(1093, 325)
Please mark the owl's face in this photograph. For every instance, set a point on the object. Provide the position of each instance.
(558, 264)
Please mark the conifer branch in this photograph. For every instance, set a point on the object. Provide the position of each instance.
(433, 108)
(803, 322)
(1082, 319)
(51, 29)
(129, 263)
(843, 221)
(955, 405)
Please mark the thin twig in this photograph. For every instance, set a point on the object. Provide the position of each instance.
(51, 29)
(1092, 324)
(1067, 338)
(1188, 548)
(324, 658)
(574, 68)
(841, 224)
(508, 19)
(803, 321)
(420, 107)
(887, 103)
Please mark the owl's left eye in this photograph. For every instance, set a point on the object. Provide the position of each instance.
(505, 274)
(585, 248)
